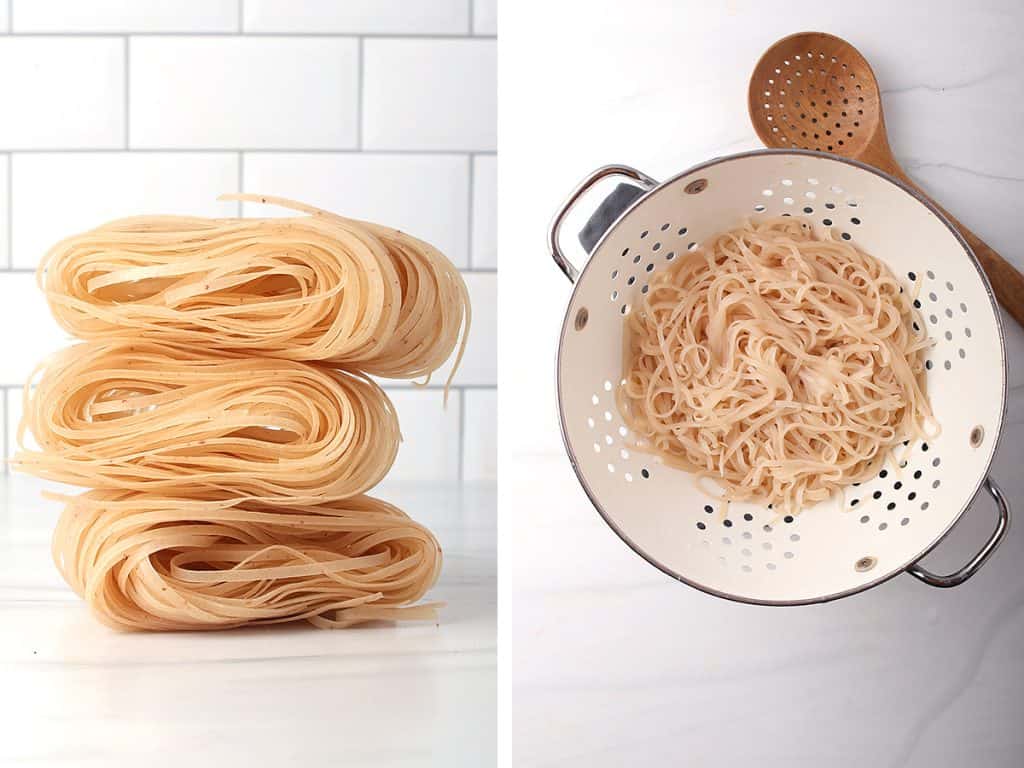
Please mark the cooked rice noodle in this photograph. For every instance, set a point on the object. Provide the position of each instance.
(317, 287)
(142, 561)
(164, 419)
(780, 364)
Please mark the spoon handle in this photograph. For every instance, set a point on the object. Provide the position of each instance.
(1007, 282)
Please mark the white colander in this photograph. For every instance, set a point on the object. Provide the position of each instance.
(748, 552)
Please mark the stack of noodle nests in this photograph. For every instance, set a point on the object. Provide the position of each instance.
(220, 411)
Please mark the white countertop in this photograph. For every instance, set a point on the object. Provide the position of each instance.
(607, 662)
(75, 693)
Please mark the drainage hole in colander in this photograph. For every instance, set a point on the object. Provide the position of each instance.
(905, 521)
(759, 208)
(912, 495)
(590, 422)
(701, 526)
(917, 303)
(827, 222)
(746, 552)
(931, 275)
(708, 508)
(787, 519)
(854, 220)
(794, 537)
(924, 447)
(766, 528)
(949, 314)
(924, 506)
(611, 467)
(745, 568)
(629, 477)
(625, 309)
(624, 454)
(607, 415)
(808, 209)
(597, 447)
(644, 473)
(636, 259)
(727, 523)
(607, 386)
(876, 495)
(770, 566)
(845, 235)
(897, 485)
(967, 332)
(936, 461)
(929, 364)
(748, 517)
(932, 296)
(682, 231)
(936, 483)
(631, 280)
(665, 226)
(727, 541)
(766, 546)
(788, 555)
(595, 399)
(615, 295)
(643, 234)
(855, 502)
(891, 506)
(865, 518)
(917, 474)
(882, 526)
(747, 535)
(623, 431)
(830, 206)
(691, 247)
(767, 192)
(947, 365)
(650, 267)
(963, 307)
(883, 474)
(608, 439)
(656, 247)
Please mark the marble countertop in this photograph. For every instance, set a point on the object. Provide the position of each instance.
(607, 662)
(75, 693)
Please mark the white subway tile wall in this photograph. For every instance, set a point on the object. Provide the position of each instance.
(429, 94)
(380, 109)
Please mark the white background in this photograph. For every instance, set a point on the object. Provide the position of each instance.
(379, 109)
(606, 662)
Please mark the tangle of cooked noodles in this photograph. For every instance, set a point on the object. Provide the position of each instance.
(317, 287)
(145, 561)
(143, 416)
(781, 365)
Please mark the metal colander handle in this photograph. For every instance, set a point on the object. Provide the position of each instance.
(646, 184)
(959, 577)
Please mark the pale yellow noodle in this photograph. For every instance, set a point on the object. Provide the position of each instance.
(781, 365)
(142, 561)
(143, 416)
(316, 287)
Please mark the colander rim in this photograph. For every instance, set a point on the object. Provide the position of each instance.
(566, 322)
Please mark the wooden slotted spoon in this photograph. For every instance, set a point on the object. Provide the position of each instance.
(813, 90)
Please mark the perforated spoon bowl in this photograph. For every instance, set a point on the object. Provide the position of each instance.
(815, 91)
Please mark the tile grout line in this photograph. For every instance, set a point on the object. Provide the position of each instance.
(462, 436)
(10, 211)
(127, 91)
(360, 111)
(260, 150)
(7, 432)
(241, 180)
(320, 35)
(469, 214)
